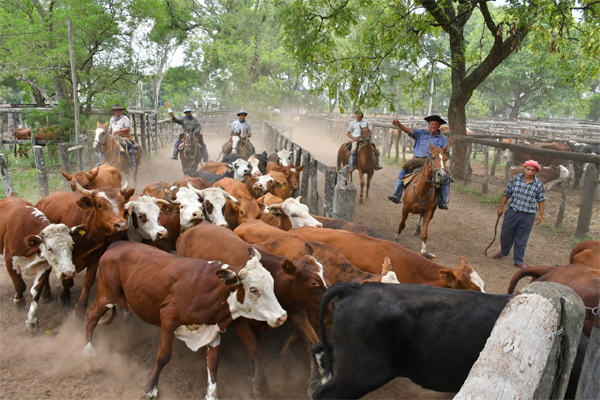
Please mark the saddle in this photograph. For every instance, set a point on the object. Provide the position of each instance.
(123, 144)
(413, 166)
(243, 145)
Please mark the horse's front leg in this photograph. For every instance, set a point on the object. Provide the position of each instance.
(362, 185)
(426, 219)
(405, 212)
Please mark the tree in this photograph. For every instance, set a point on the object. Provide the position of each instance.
(394, 30)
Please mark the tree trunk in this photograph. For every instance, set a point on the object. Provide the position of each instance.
(457, 118)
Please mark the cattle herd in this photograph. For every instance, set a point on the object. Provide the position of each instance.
(232, 246)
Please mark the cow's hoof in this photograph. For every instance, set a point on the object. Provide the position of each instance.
(19, 303)
(151, 394)
(429, 256)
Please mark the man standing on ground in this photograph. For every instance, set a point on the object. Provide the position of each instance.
(421, 151)
(527, 194)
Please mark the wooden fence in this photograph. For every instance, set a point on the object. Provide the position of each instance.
(339, 195)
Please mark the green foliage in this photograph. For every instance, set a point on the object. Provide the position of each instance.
(477, 107)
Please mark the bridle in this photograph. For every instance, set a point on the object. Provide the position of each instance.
(434, 185)
(433, 170)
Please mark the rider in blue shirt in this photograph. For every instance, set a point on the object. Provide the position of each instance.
(421, 150)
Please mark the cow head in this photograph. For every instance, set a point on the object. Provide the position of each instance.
(244, 210)
(241, 169)
(107, 206)
(254, 166)
(190, 208)
(262, 185)
(143, 219)
(297, 213)
(255, 299)
(84, 178)
(284, 157)
(464, 278)
(214, 200)
(293, 175)
(55, 245)
(311, 280)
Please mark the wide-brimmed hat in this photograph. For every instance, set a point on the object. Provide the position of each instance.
(116, 107)
(435, 118)
(242, 112)
(187, 109)
(532, 163)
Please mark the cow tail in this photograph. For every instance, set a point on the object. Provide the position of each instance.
(108, 318)
(534, 272)
(326, 363)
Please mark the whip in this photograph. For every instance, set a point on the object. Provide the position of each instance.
(495, 232)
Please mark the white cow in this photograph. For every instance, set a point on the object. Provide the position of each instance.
(190, 208)
(213, 200)
(297, 213)
(143, 219)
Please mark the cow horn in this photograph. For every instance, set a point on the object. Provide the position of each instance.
(298, 198)
(163, 201)
(128, 207)
(278, 206)
(197, 191)
(230, 197)
(82, 190)
(125, 185)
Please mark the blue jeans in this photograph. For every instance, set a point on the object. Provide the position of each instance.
(516, 229)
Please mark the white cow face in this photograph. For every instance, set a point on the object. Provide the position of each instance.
(214, 200)
(263, 184)
(254, 170)
(57, 248)
(297, 213)
(259, 301)
(190, 208)
(143, 220)
(285, 157)
(241, 169)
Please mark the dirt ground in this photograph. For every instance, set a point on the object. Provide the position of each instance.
(49, 363)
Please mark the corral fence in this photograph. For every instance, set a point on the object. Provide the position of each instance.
(338, 197)
(488, 137)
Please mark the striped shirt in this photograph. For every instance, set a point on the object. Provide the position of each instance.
(524, 197)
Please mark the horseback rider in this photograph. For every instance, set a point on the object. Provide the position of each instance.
(421, 151)
(354, 133)
(120, 125)
(189, 124)
(240, 129)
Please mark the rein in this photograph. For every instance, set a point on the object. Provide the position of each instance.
(430, 181)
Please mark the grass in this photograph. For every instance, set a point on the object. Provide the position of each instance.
(493, 199)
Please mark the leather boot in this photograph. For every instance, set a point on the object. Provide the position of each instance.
(175, 152)
(351, 162)
(377, 166)
(398, 191)
(204, 154)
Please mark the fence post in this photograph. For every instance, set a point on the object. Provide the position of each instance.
(497, 158)
(507, 168)
(329, 192)
(343, 200)
(563, 202)
(142, 133)
(313, 205)
(65, 164)
(8, 189)
(40, 164)
(521, 356)
(587, 200)
(298, 161)
(486, 173)
(589, 384)
(397, 146)
(85, 152)
(467, 163)
(305, 174)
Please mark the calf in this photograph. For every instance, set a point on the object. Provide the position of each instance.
(431, 335)
(583, 280)
(548, 176)
(286, 244)
(32, 246)
(299, 285)
(143, 224)
(102, 211)
(102, 176)
(409, 266)
(159, 190)
(191, 300)
(587, 253)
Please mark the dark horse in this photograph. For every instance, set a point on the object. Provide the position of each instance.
(421, 199)
(190, 155)
(366, 160)
(115, 152)
(245, 148)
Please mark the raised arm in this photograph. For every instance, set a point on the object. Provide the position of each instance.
(404, 128)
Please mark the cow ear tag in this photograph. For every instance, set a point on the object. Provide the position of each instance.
(81, 232)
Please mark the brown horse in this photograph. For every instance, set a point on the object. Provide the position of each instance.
(245, 148)
(420, 197)
(112, 152)
(365, 158)
(190, 155)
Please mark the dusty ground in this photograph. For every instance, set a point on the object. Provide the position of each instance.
(49, 364)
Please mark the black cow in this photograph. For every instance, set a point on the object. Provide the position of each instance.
(231, 157)
(212, 178)
(581, 148)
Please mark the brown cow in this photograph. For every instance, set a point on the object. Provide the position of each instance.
(282, 187)
(245, 209)
(159, 190)
(583, 280)
(102, 211)
(291, 172)
(214, 167)
(299, 285)
(102, 176)
(519, 157)
(409, 266)
(587, 253)
(233, 187)
(289, 245)
(198, 183)
(191, 300)
(333, 223)
(33, 246)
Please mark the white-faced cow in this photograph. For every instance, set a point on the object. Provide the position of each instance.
(143, 221)
(190, 299)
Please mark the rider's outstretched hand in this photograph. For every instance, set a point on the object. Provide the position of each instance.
(167, 104)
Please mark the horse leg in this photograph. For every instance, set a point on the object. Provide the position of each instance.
(418, 231)
(405, 212)
(426, 219)
(369, 176)
(362, 185)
